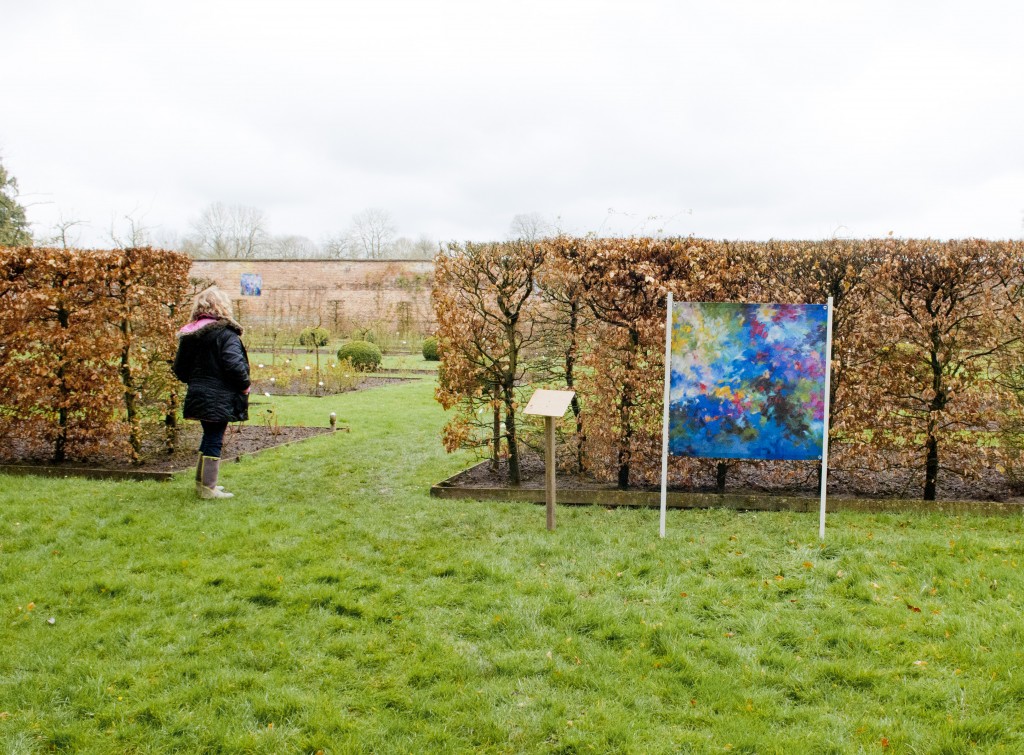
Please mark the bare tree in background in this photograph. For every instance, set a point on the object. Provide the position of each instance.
(404, 248)
(132, 233)
(62, 234)
(228, 231)
(530, 226)
(372, 232)
(293, 247)
(425, 248)
(337, 247)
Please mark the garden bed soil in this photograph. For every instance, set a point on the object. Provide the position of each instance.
(744, 491)
(240, 440)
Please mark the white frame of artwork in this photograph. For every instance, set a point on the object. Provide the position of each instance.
(665, 412)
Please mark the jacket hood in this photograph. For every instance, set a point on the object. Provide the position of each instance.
(208, 323)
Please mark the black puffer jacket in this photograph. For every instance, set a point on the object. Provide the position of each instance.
(212, 360)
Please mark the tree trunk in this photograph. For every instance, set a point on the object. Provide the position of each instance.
(626, 439)
(938, 403)
(61, 441)
(626, 414)
(171, 423)
(316, 376)
(496, 432)
(514, 476)
(721, 472)
(130, 404)
(931, 465)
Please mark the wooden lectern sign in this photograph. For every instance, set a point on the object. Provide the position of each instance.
(549, 404)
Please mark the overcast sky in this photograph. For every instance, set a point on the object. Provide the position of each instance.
(736, 120)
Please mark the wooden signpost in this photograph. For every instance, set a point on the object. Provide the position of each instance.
(549, 404)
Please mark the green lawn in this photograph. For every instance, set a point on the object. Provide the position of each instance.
(333, 605)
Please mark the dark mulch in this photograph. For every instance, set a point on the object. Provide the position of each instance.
(240, 440)
(755, 478)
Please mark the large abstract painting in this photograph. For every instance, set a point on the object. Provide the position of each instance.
(747, 380)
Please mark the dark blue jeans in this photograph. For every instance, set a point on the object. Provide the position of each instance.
(213, 437)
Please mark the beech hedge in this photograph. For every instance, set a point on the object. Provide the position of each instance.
(86, 342)
(926, 381)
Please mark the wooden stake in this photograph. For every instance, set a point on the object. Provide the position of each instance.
(549, 472)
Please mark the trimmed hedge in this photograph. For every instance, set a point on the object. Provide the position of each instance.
(314, 338)
(363, 355)
(430, 350)
(926, 386)
(87, 340)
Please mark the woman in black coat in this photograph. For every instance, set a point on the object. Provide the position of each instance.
(212, 360)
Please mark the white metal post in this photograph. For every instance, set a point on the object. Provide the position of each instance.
(664, 413)
(824, 437)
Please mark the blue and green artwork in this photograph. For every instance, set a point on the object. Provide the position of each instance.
(747, 380)
(252, 284)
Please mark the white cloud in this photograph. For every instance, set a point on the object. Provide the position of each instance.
(732, 119)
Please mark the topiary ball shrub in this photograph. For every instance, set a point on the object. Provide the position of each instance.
(314, 338)
(430, 350)
(363, 355)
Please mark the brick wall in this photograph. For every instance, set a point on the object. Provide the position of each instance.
(340, 295)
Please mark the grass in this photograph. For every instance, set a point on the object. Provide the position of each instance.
(333, 606)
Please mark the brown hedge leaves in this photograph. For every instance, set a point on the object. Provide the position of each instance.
(926, 336)
(86, 338)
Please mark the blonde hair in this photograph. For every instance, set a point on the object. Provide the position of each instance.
(212, 302)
